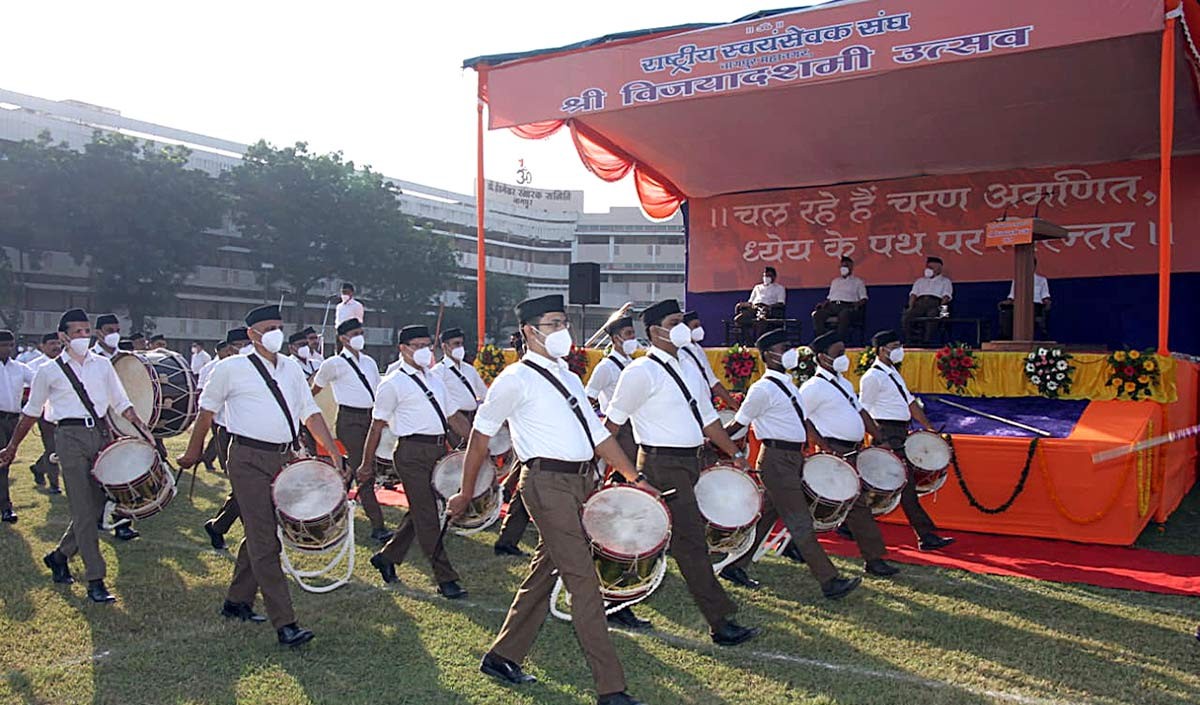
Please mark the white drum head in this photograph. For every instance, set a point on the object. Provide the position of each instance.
(927, 451)
(386, 449)
(727, 418)
(139, 387)
(831, 477)
(500, 443)
(881, 469)
(124, 461)
(626, 521)
(308, 490)
(447, 476)
(728, 497)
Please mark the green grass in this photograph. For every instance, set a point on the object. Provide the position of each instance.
(929, 636)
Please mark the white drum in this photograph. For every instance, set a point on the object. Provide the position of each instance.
(629, 530)
(930, 456)
(883, 476)
(485, 503)
(731, 503)
(831, 486)
(134, 478)
(310, 504)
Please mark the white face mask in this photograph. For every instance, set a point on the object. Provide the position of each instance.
(246, 349)
(302, 352)
(112, 339)
(358, 342)
(766, 281)
(845, 271)
(423, 357)
(896, 355)
(629, 346)
(698, 334)
(345, 298)
(458, 353)
(558, 343)
(680, 335)
(928, 273)
(841, 363)
(79, 346)
(791, 359)
(273, 340)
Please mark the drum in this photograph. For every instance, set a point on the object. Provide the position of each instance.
(162, 389)
(883, 476)
(831, 486)
(385, 467)
(929, 454)
(731, 503)
(628, 529)
(134, 477)
(310, 505)
(485, 502)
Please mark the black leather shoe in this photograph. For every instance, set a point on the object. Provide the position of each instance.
(294, 635)
(845, 532)
(387, 569)
(506, 549)
(933, 542)
(381, 535)
(96, 592)
(791, 551)
(242, 611)
(733, 634)
(125, 532)
(737, 576)
(838, 588)
(881, 568)
(54, 490)
(451, 590)
(627, 619)
(216, 538)
(59, 570)
(621, 698)
(499, 667)
(8, 516)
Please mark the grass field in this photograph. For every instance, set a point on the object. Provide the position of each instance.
(928, 636)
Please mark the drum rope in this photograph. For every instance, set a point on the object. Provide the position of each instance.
(660, 571)
(773, 543)
(1003, 507)
(344, 551)
(746, 544)
(492, 516)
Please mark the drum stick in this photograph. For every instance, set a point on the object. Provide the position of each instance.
(625, 308)
(324, 324)
(993, 417)
(1176, 435)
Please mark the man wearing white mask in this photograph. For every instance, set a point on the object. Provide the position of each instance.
(349, 307)
(414, 404)
(200, 357)
(298, 348)
(839, 424)
(847, 297)
(15, 376)
(463, 384)
(694, 353)
(886, 398)
(315, 357)
(354, 377)
(603, 382)
(108, 335)
(929, 293)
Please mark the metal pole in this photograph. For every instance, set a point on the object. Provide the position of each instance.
(480, 188)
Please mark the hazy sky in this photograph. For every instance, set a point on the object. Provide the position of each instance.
(380, 80)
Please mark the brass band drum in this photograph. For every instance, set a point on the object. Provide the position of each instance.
(930, 455)
(831, 486)
(310, 505)
(484, 508)
(134, 478)
(162, 389)
(628, 529)
(883, 476)
(731, 503)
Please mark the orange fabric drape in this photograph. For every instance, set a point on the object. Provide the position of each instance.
(659, 199)
(537, 130)
(599, 158)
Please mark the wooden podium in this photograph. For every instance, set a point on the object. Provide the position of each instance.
(1021, 234)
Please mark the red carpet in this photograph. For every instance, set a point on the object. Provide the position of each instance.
(1040, 559)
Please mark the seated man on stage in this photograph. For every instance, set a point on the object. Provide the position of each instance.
(767, 301)
(847, 297)
(925, 300)
(1041, 305)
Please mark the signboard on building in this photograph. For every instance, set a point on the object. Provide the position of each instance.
(524, 198)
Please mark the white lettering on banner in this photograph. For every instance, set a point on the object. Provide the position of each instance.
(1103, 234)
(1069, 184)
(945, 198)
(900, 243)
(862, 199)
(820, 211)
(838, 245)
(769, 214)
(956, 240)
(774, 249)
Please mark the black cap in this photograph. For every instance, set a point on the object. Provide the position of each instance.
(75, 315)
(771, 338)
(236, 335)
(689, 316)
(348, 325)
(348, 285)
(107, 319)
(933, 258)
(297, 337)
(530, 309)
(157, 337)
(221, 345)
(616, 326)
(49, 336)
(407, 333)
(125, 344)
(451, 334)
(884, 337)
(136, 335)
(6, 336)
(822, 343)
(309, 331)
(270, 312)
(654, 315)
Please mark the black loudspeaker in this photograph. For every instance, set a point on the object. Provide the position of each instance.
(584, 283)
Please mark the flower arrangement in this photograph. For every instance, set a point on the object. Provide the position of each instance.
(577, 361)
(720, 405)
(865, 359)
(1050, 370)
(956, 365)
(1134, 373)
(806, 365)
(490, 362)
(740, 366)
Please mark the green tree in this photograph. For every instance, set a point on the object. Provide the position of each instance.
(504, 292)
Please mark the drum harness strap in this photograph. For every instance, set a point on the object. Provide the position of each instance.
(465, 383)
(615, 361)
(692, 404)
(361, 377)
(433, 401)
(903, 395)
(791, 397)
(703, 372)
(567, 395)
(79, 389)
(278, 394)
(842, 392)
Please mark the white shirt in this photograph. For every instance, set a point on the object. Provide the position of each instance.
(250, 408)
(833, 415)
(14, 378)
(348, 389)
(849, 289)
(403, 404)
(202, 379)
(541, 423)
(1041, 289)
(99, 350)
(769, 409)
(768, 294)
(199, 360)
(448, 370)
(880, 397)
(309, 366)
(692, 355)
(347, 310)
(939, 286)
(51, 389)
(647, 394)
(35, 363)
(393, 367)
(29, 355)
(603, 381)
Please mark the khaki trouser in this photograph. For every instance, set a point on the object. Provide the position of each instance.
(414, 463)
(251, 472)
(352, 429)
(554, 500)
(844, 310)
(77, 448)
(894, 434)
(860, 521)
(689, 546)
(43, 466)
(924, 307)
(7, 426)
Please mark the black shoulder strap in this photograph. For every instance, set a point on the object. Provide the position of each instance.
(703, 372)
(615, 361)
(79, 389)
(462, 378)
(432, 400)
(692, 404)
(278, 394)
(791, 397)
(842, 391)
(899, 388)
(361, 377)
(566, 394)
